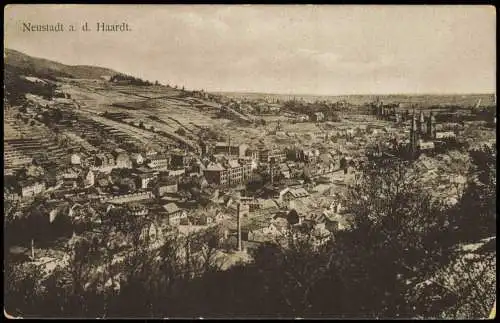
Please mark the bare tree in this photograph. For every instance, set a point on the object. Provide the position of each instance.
(396, 225)
(463, 290)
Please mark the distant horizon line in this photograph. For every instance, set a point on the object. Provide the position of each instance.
(362, 94)
(246, 92)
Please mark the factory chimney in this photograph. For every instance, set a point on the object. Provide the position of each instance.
(271, 168)
(238, 225)
(32, 249)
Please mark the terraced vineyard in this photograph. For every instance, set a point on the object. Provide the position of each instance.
(20, 152)
(24, 142)
(160, 107)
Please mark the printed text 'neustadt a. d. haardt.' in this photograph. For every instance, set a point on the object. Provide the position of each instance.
(85, 26)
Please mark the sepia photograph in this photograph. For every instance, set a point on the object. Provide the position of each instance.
(249, 161)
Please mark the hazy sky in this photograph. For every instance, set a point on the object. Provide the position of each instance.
(282, 49)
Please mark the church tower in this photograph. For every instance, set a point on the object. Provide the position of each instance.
(421, 124)
(413, 136)
(431, 126)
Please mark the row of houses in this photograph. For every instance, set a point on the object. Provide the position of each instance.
(236, 150)
(321, 226)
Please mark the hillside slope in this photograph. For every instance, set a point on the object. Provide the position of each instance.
(40, 67)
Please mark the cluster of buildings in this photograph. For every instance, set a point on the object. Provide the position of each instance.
(173, 186)
(389, 112)
(423, 134)
(164, 184)
(313, 116)
(424, 137)
(149, 182)
(293, 210)
(316, 116)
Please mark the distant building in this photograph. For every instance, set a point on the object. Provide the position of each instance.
(76, 159)
(137, 159)
(88, 178)
(445, 135)
(104, 160)
(252, 153)
(431, 126)
(333, 222)
(421, 124)
(231, 149)
(143, 179)
(302, 118)
(276, 228)
(198, 167)
(284, 171)
(413, 137)
(163, 189)
(137, 209)
(216, 173)
(201, 219)
(318, 116)
(425, 145)
(31, 188)
(205, 147)
(158, 161)
(88, 161)
(127, 198)
(229, 173)
(252, 203)
(179, 160)
(177, 172)
(174, 214)
(289, 194)
(71, 173)
(166, 186)
(102, 182)
(423, 135)
(274, 108)
(150, 153)
(122, 159)
(244, 208)
(310, 155)
(266, 155)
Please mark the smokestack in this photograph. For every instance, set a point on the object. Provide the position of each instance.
(32, 249)
(271, 164)
(238, 225)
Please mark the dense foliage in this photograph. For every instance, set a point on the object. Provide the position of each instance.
(18, 86)
(130, 80)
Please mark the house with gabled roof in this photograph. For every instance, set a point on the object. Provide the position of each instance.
(174, 214)
(289, 194)
(31, 187)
